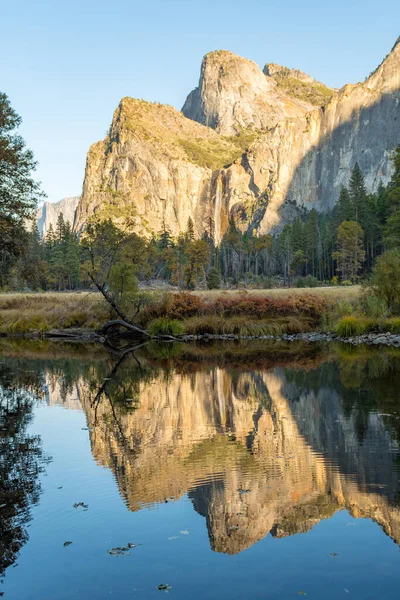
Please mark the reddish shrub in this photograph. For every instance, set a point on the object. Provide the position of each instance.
(178, 306)
(260, 306)
(185, 305)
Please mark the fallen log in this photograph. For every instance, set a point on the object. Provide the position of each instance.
(124, 321)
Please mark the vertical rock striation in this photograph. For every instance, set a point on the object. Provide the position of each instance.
(303, 162)
(252, 146)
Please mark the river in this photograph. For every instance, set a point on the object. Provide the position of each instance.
(203, 471)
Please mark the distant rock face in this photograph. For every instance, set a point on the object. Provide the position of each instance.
(49, 212)
(257, 153)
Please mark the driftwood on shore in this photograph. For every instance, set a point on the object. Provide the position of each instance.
(117, 323)
(114, 325)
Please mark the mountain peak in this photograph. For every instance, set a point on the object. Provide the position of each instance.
(297, 84)
(386, 74)
(273, 70)
(234, 94)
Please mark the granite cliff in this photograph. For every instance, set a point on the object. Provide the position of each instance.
(234, 94)
(252, 145)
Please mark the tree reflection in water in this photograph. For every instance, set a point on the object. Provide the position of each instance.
(21, 460)
(263, 439)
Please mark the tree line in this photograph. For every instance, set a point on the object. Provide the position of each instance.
(339, 246)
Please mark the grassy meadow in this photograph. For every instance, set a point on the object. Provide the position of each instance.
(333, 293)
(39, 312)
(344, 310)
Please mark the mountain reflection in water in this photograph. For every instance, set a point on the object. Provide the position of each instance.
(259, 446)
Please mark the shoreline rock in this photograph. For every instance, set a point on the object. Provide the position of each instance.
(370, 339)
(90, 336)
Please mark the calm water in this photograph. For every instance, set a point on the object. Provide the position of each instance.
(234, 472)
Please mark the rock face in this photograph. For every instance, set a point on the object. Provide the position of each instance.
(274, 70)
(158, 168)
(49, 212)
(303, 162)
(298, 84)
(264, 145)
(234, 94)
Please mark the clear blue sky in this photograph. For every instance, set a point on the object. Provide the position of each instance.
(65, 64)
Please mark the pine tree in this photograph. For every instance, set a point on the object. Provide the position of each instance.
(357, 191)
(312, 238)
(392, 228)
(344, 208)
(383, 204)
(190, 230)
(213, 279)
(60, 228)
(350, 253)
(19, 193)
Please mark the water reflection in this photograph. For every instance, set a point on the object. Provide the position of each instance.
(21, 461)
(273, 444)
(258, 451)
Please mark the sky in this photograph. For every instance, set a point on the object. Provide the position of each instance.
(65, 64)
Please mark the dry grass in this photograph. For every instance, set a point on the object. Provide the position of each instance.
(244, 326)
(335, 293)
(25, 313)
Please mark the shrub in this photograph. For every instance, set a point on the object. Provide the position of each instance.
(308, 281)
(245, 326)
(213, 279)
(174, 306)
(315, 93)
(346, 282)
(353, 325)
(165, 326)
(185, 305)
(261, 306)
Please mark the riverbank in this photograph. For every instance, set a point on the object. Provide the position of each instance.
(22, 313)
(91, 337)
(372, 339)
(313, 314)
